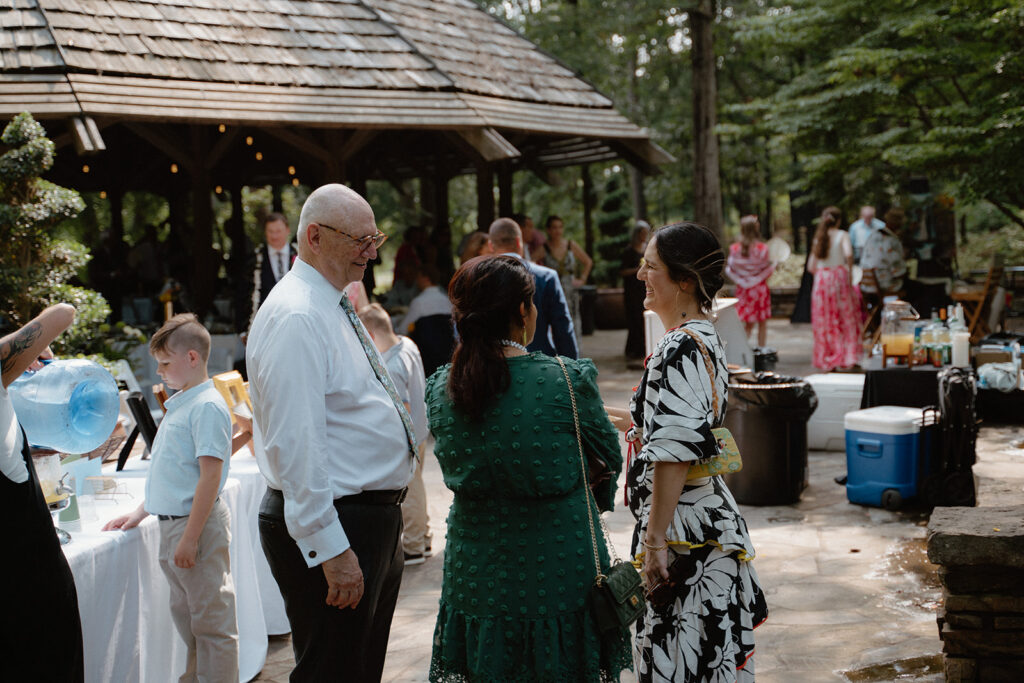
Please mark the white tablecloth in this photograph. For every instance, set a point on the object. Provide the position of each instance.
(124, 599)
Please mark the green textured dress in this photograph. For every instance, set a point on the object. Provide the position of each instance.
(519, 562)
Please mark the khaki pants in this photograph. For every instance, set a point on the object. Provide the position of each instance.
(415, 520)
(203, 598)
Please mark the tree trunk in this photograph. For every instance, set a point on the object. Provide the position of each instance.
(707, 187)
(636, 176)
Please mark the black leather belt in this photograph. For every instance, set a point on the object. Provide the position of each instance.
(167, 518)
(273, 501)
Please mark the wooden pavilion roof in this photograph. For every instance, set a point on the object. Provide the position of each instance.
(353, 64)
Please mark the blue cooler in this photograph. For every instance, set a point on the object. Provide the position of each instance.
(882, 446)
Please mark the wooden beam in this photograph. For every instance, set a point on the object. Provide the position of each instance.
(489, 144)
(643, 154)
(150, 134)
(359, 139)
(505, 199)
(484, 196)
(302, 142)
(221, 147)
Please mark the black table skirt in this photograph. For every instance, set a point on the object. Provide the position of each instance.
(918, 387)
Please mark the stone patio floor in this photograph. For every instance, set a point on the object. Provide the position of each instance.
(850, 591)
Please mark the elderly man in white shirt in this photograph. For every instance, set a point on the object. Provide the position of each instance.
(862, 229)
(335, 445)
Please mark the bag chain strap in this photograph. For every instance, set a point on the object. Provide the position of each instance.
(710, 368)
(583, 470)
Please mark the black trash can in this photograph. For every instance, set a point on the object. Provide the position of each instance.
(768, 415)
(765, 359)
(588, 301)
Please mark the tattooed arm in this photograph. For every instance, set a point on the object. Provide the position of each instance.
(20, 349)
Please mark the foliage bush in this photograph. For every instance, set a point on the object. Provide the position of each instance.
(36, 269)
(977, 253)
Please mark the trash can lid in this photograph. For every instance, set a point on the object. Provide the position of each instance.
(892, 420)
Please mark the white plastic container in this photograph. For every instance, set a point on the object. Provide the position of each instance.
(838, 394)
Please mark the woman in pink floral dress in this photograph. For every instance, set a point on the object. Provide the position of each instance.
(835, 302)
(749, 267)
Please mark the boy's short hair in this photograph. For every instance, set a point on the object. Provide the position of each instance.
(375, 318)
(182, 332)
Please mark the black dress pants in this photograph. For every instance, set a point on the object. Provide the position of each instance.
(334, 644)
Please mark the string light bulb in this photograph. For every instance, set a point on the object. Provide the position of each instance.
(221, 128)
(218, 189)
(103, 194)
(259, 156)
(291, 170)
(248, 140)
(174, 168)
(295, 182)
(85, 168)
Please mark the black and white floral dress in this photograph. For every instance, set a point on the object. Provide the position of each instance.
(706, 634)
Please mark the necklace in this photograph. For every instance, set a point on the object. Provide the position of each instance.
(514, 345)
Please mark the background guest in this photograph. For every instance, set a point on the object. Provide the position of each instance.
(473, 245)
(431, 300)
(633, 290)
(835, 303)
(749, 266)
(514, 603)
(567, 259)
(883, 254)
(862, 228)
(533, 239)
(271, 260)
(555, 331)
(405, 366)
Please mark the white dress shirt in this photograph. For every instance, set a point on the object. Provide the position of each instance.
(431, 301)
(279, 261)
(324, 426)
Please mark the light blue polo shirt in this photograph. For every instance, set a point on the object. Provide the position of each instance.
(197, 423)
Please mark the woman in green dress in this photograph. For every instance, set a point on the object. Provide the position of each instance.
(518, 565)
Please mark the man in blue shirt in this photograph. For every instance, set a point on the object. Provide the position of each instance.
(862, 229)
(555, 334)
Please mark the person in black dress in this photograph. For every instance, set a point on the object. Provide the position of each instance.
(633, 290)
(41, 632)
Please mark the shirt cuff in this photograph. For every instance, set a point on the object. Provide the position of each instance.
(322, 545)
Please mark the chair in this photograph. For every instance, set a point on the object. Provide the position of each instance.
(234, 391)
(977, 301)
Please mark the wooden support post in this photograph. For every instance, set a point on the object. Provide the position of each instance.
(484, 196)
(238, 264)
(505, 199)
(588, 209)
(442, 227)
(204, 265)
(275, 191)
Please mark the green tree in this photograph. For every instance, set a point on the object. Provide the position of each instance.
(613, 223)
(35, 267)
(885, 91)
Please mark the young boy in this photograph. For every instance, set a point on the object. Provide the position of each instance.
(189, 468)
(405, 366)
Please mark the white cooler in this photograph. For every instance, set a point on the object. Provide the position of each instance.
(838, 394)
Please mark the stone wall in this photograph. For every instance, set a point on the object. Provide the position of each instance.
(981, 556)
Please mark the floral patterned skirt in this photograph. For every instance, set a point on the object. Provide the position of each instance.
(755, 303)
(707, 633)
(836, 319)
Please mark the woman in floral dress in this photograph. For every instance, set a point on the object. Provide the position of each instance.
(705, 632)
(749, 266)
(835, 302)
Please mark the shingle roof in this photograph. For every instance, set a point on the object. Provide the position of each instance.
(354, 63)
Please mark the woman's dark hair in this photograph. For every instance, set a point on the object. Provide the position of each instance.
(486, 294)
(692, 252)
(831, 217)
(551, 219)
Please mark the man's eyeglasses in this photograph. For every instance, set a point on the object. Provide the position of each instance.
(362, 242)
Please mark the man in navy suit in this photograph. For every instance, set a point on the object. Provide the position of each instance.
(271, 261)
(555, 334)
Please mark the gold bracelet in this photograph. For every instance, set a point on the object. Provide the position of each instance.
(651, 547)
